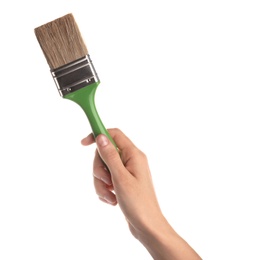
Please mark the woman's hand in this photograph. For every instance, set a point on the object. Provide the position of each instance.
(124, 178)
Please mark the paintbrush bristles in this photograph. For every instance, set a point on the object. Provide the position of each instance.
(61, 41)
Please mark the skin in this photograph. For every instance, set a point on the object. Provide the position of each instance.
(124, 178)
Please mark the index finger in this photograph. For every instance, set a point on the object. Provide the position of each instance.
(121, 140)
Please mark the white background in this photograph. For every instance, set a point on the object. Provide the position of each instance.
(183, 79)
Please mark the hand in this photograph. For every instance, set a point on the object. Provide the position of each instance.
(129, 177)
(124, 178)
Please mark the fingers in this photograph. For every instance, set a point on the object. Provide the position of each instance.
(104, 192)
(109, 155)
(99, 170)
(88, 140)
(131, 164)
(102, 178)
(102, 182)
(134, 160)
(130, 154)
(121, 140)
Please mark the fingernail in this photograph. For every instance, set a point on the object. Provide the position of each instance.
(109, 199)
(102, 140)
(106, 181)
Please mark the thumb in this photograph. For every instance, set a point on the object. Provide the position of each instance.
(109, 154)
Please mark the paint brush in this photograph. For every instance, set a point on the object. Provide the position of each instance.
(71, 67)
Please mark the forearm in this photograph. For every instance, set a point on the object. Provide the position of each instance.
(163, 243)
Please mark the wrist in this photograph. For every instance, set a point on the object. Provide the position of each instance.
(163, 243)
(154, 234)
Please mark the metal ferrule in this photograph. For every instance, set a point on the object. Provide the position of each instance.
(75, 75)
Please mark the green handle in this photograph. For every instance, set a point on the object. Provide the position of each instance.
(84, 97)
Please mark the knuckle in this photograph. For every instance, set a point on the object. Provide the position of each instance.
(143, 155)
(114, 131)
(111, 156)
(139, 153)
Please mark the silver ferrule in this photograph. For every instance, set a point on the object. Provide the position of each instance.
(75, 75)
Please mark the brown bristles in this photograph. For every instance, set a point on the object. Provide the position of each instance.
(61, 41)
